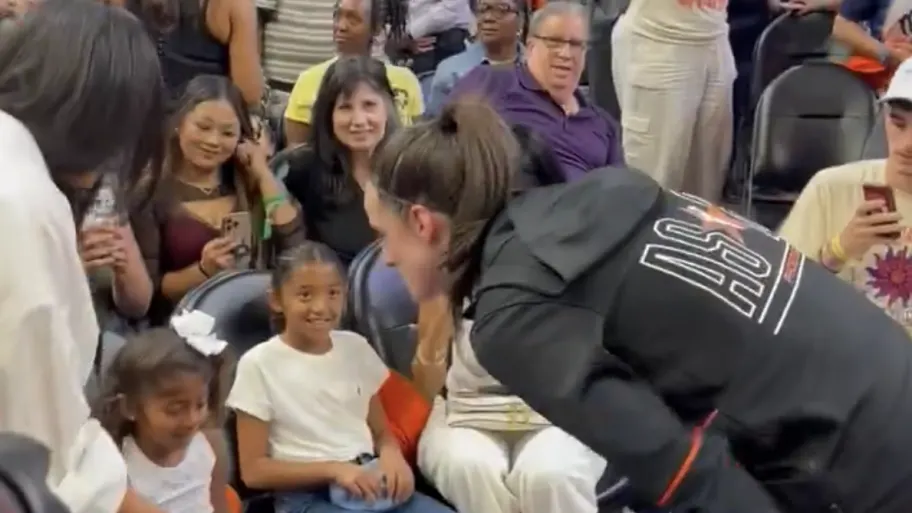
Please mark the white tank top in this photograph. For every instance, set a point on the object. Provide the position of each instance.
(180, 489)
(678, 21)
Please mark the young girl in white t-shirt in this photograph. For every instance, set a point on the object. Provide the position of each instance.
(309, 423)
(160, 391)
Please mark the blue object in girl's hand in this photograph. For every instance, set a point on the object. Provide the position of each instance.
(342, 498)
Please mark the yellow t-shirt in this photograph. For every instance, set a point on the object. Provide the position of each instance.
(406, 91)
(825, 207)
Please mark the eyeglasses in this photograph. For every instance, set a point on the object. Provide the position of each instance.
(497, 10)
(556, 43)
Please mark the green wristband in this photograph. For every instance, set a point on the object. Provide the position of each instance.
(269, 206)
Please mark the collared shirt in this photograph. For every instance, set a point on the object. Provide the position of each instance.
(452, 69)
(583, 141)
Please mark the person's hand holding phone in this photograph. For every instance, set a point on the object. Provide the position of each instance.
(872, 224)
(218, 255)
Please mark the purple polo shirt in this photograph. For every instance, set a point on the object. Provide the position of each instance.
(587, 140)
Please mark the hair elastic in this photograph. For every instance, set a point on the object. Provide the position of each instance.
(448, 124)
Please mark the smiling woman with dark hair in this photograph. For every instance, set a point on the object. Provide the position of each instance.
(353, 113)
(79, 86)
(223, 208)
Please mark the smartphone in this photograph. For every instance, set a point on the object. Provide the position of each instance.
(237, 227)
(885, 194)
(880, 192)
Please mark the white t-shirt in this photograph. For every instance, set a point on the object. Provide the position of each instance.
(316, 405)
(825, 207)
(48, 331)
(678, 21)
(183, 488)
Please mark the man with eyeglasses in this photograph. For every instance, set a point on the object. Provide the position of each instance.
(501, 27)
(542, 92)
(673, 71)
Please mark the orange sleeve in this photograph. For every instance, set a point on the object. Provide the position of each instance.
(406, 411)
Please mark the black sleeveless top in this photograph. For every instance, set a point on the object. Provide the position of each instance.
(189, 49)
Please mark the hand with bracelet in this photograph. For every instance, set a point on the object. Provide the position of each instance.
(869, 226)
(254, 157)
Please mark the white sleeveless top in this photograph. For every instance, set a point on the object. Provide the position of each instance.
(184, 488)
(475, 399)
(679, 21)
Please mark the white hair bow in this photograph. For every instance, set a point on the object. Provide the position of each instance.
(196, 327)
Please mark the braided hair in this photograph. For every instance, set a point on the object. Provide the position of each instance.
(390, 16)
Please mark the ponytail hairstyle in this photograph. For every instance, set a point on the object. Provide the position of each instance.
(461, 164)
(154, 356)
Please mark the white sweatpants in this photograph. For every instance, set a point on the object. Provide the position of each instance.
(676, 109)
(478, 471)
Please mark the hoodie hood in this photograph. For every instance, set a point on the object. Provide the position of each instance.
(571, 226)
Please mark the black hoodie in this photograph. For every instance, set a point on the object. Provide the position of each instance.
(705, 359)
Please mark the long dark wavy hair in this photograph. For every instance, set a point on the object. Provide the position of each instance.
(205, 88)
(84, 79)
(340, 81)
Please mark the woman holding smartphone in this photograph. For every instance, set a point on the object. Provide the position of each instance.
(222, 207)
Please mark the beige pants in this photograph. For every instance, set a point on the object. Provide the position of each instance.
(547, 471)
(676, 109)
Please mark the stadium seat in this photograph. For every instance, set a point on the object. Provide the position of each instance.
(788, 41)
(876, 144)
(385, 313)
(811, 117)
(237, 301)
(280, 163)
(382, 309)
(109, 343)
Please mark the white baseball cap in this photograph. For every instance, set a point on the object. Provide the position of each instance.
(900, 87)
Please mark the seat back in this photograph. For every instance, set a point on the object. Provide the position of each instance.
(602, 18)
(876, 144)
(280, 163)
(382, 309)
(109, 343)
(811, 117)
(788, 41)
(237, 302)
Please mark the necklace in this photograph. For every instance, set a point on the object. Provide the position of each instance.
(207, 191)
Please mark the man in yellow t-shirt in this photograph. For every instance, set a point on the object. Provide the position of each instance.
(857, 238)
(353, 33)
